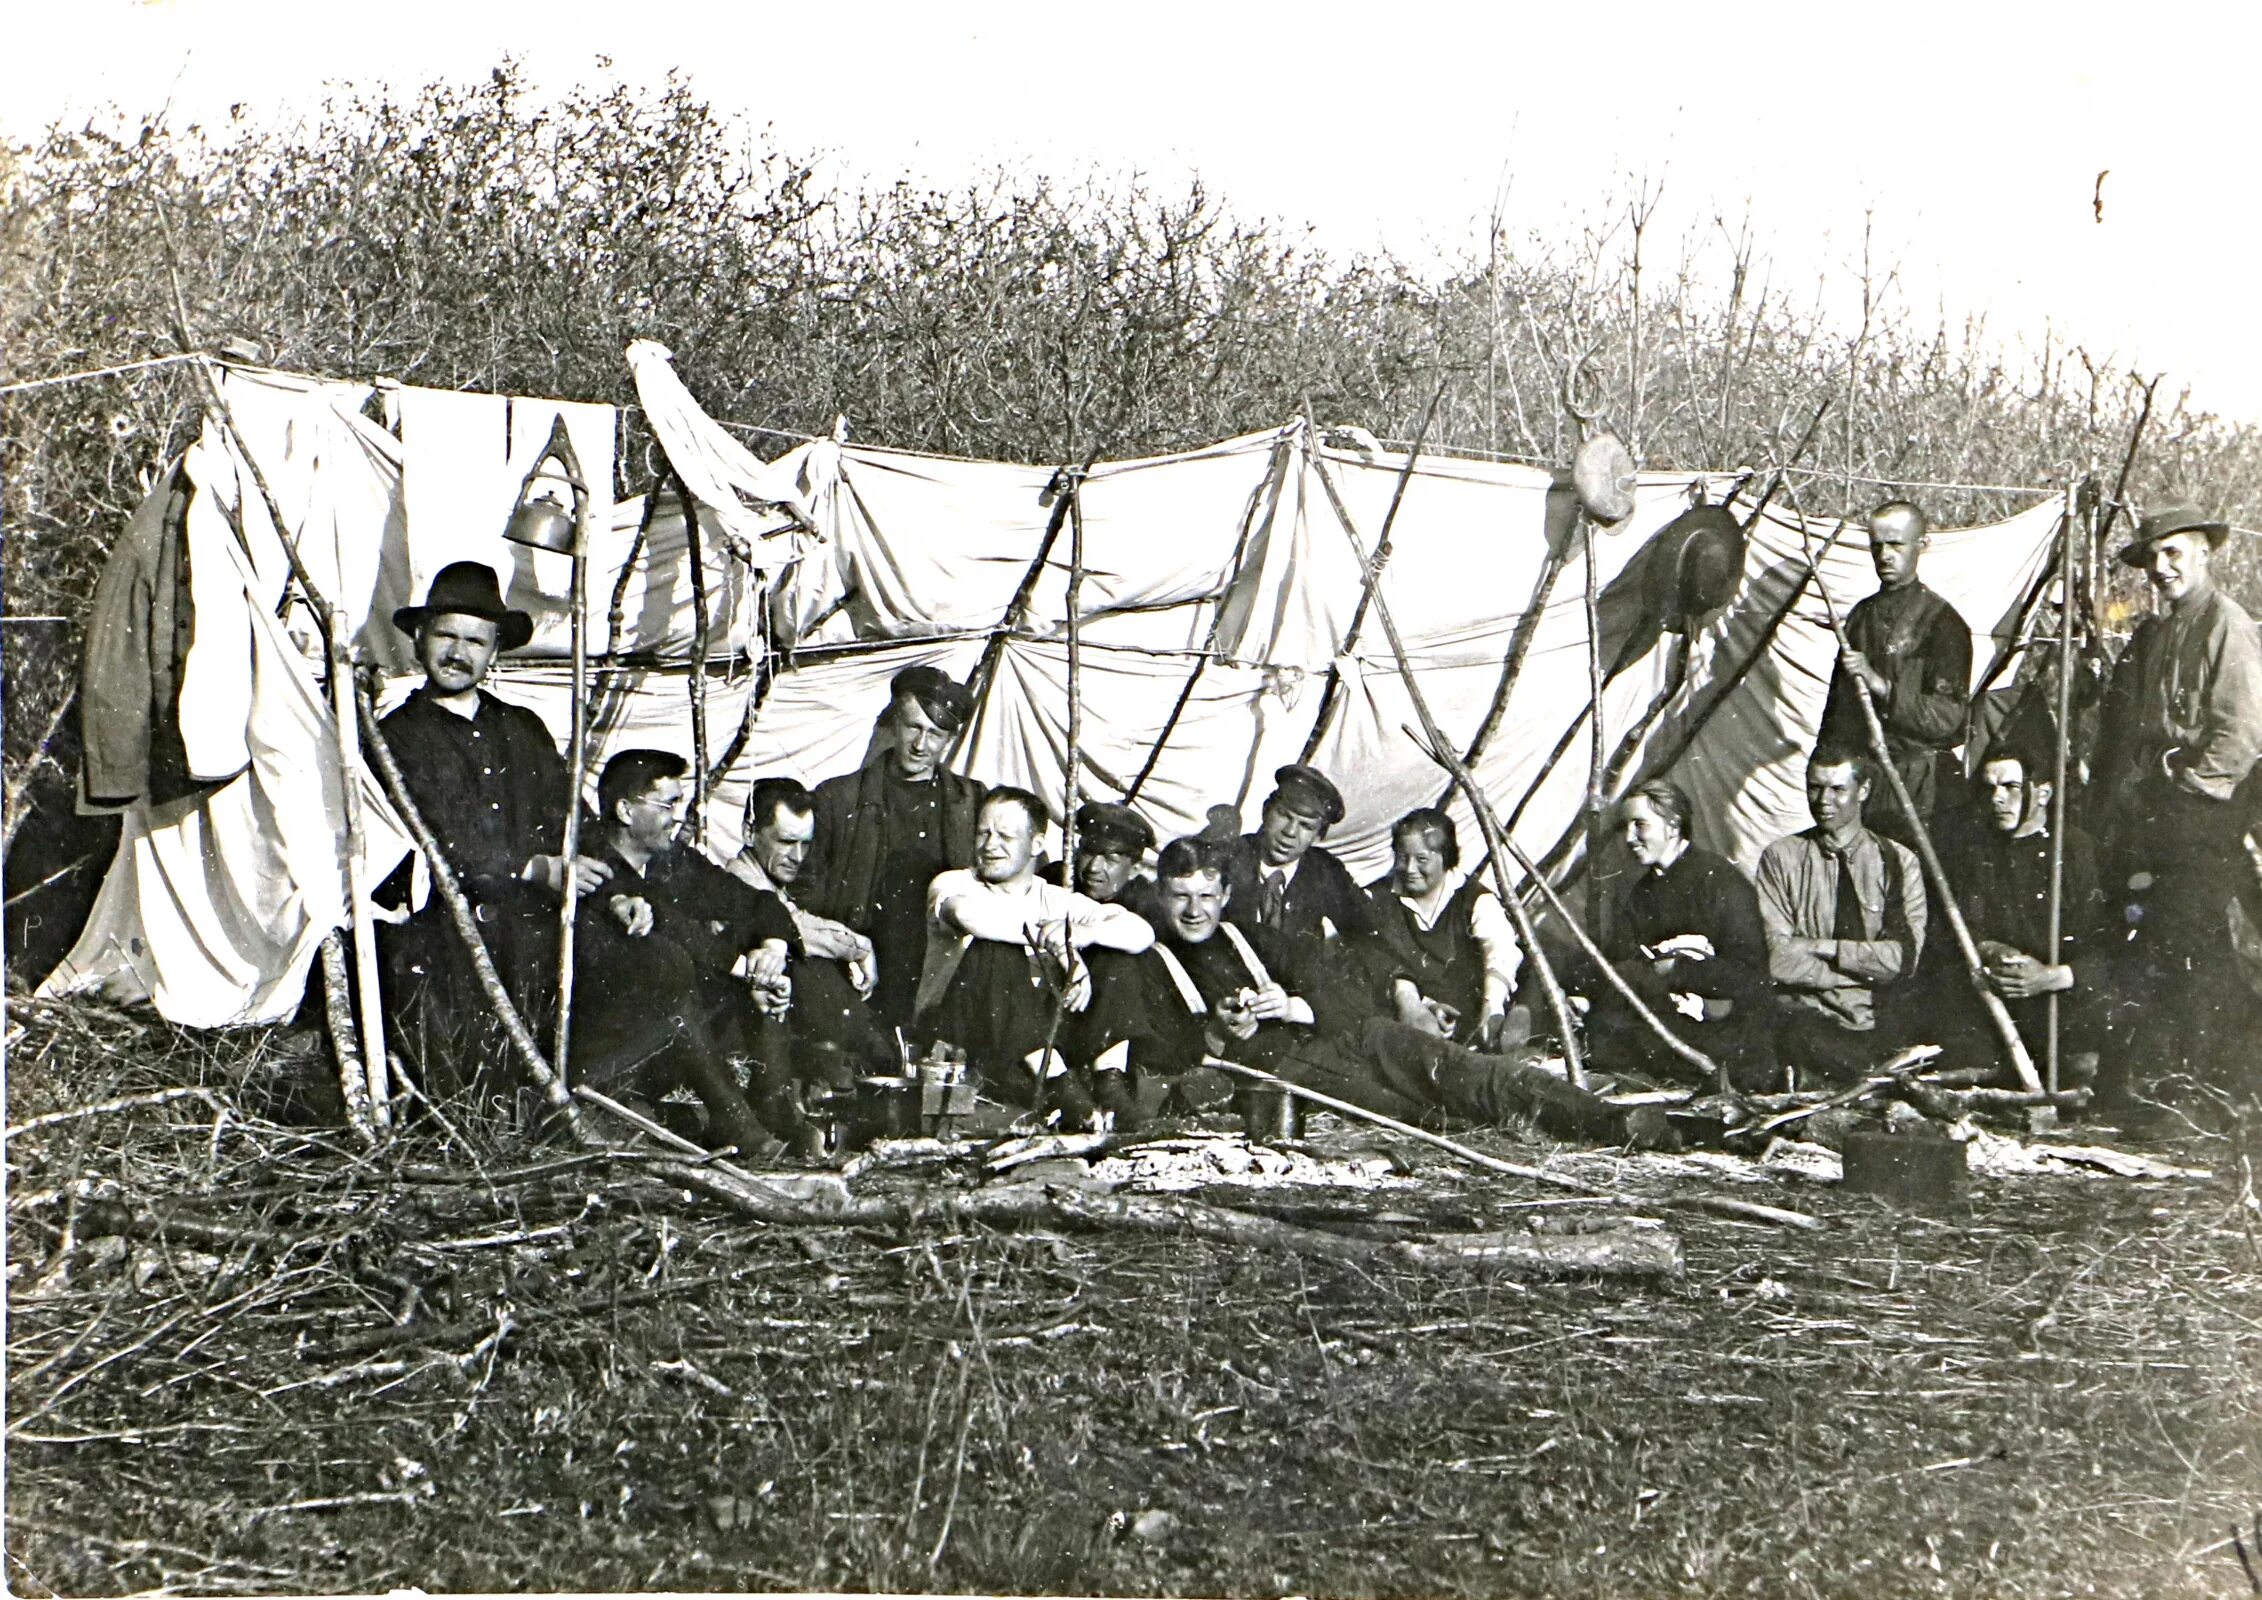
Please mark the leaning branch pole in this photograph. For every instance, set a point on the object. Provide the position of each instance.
(1075, 772)
(2066, 535)
(1943, 893)
(1371, 577)
(1558, 1004)
(467, 927)
(577, 754)
(375, 1089)
(702, 638)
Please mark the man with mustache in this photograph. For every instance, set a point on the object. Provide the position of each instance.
(2179, 735)
(492, 787)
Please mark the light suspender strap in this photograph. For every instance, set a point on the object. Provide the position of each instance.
(1240, 942)
(1182, 981)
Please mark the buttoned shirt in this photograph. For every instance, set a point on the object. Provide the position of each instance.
(2188, 689)
(1798, 903)
(491, 786)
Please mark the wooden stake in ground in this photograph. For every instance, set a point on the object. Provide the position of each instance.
(2064, 734)
(1943, 893)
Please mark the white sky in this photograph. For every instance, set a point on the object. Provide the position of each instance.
(1974, 132)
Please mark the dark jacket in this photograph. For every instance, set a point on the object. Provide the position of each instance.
(845, 856)
(492, 788)
(1322, 887)
(1923, 646)
(137, 635)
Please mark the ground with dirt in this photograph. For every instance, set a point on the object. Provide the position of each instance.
(458, 1364)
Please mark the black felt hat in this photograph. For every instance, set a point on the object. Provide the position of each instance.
(468, 589)
(2170, 520)
(1307, 789)
(946, 702)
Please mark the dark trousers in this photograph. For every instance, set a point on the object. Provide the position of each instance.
(1816, 1047)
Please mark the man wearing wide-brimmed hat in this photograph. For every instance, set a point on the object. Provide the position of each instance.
(2179, 737)
(492, 786)
(885, 831)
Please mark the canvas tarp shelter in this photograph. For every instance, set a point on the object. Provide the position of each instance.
(910, 558)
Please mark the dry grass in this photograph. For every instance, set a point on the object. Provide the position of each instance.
(2055, 1391)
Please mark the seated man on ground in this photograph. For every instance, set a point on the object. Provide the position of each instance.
(679, 967)
(1005, 977)
(1686, 936)
(492, 788)
(1208, 994)
(1844, 915)
(1285, 888)
(1450, 954)
(835, 1031)
(2003, 886)
(1111, 841)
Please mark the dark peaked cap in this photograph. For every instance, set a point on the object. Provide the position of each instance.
(468, 589)
(1307, 789)
(945, 701)
(1107, 826)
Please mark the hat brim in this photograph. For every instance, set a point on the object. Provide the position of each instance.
(512, 628)
(2134, 553)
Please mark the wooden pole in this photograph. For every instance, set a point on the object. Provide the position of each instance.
(577, 753)
(702, 638)
(1558, 1003)
(1943, 893)
(1371, 578)
(369, 1051)
(1598, 913)
(1267, 495)
(2058, 772)
(1511, 1169)
(345, 1044)
(1075, 683)
(467, 927)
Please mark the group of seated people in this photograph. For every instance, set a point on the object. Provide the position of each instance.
(900, 904)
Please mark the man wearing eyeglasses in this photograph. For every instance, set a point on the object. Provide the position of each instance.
(679, 968)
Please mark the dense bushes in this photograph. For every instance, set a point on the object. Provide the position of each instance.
(465, 235)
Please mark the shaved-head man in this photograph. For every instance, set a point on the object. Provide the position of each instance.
(1913, 651)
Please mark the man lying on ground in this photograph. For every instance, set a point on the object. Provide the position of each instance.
(1844, 915)
(679, 968)
(836, 1033)
(1207, 992)
(1450, 954)
(1005, 977)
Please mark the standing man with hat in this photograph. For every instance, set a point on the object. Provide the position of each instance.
(1282, 887)
(886, 830)
(2179, 736)
(492, 787)
(1913, 650)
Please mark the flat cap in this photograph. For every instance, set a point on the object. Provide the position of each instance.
(2168, 520)
(1108, 826)
(946, 702)
(1307, 789)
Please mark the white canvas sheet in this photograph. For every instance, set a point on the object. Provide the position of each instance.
(915, 559)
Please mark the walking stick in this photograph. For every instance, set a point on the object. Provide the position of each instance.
(1997, 1013)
